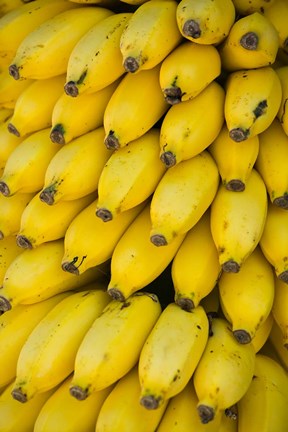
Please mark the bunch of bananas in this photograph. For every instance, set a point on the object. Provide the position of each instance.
(143, 215)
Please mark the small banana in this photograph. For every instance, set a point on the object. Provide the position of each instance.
(279, 309)
(10, 89)
(282, 116)
(12, 208)
(277, 13)
(245, 7)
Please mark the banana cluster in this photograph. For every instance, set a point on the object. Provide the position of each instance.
(143, 215)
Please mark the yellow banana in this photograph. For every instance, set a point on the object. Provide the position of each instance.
(206, 22)
(130, 176)
(10, 89)
(279, 309)
(48, 354)
(195, 267)
(264, 405)
(184, 131)
(8, 252)
(250, 290)
(5, 114)
(135, 261)
(6, 6)
(262, 333)
(182, 196)
(245, 7)
(224, 371)
(250, 105)
(89, 242)
(11, 211)
(73, 117)
(150, 22)
(171, 354)
(276, 343)
(34, 106)
(234, 160)
(121, 410)
(8, 143)
(251, 43)
(36, 275)
(237, 221)
(96, 60)
(117, 336)
(75, 169)
(41, 223)
(277, 13)
(26, 166)
(184, 73)
(129, 112)
(45, 51)
(282, 116)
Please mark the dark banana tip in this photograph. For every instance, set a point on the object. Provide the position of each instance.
(78, 392)
(5, 304)
(158, 240)
(235, 185)
(18, 395)
(131, 64)
(242, 336)
(13, 130)
(150, 402)
(47, 197)
(172, 95)
(104, 214)
(23, 242)
(71, 89)
(284, 276)
(70, 267)
(206, 413)
(116, 294)
(231, 267)
(168, 158)
(4, 189)
(14, 71)
(57, 134)
(191, 28)
(249, 41)
(238, 134)
(185, 303)
(281, 202)
(1, 235)
(111, 141)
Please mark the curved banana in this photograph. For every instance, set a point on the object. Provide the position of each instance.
(8, 143)
(129, 112)
(279, 309)
(11, 212)
(130, 176)
(182, 196)
(96, 60)
(234, 160)
(206, 22)
(184, 132)
(237, 221)
(250, 290)
(135, 261)
(10, 89)
(75, 169)
(117, 336)
(184, 73)
(9, 250)
(282, 116)
(277, 13)
(121, 410)
(262, 333)
(275, 342)
(252, 42)
(245, 7)
(45, 51)
(224, 371)
(250, 105)
(195, 268)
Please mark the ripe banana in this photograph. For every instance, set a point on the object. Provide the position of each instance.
(245, 7)
(195, 268)
(250, 105)
(224, 371)
(135, 261)
(96, 60)
(129, 112)
(282, 116)
(262, 333)
(9, 250)
(277, 13)
(130, 176)
(276, 343)
(246, 309)
(121, 410)
(234, 160)
(279, 309)
(207, 22)
(8, 143)
(75, 169)
(182, 196)
(11, 211)
(184, 132)
(150, 35)
(10, 89)
(184, 73)
(237, 221)
(45, 51)
(121, 326)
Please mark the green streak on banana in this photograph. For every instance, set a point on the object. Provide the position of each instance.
(11, 211)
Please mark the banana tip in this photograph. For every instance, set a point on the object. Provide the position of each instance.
(191, 28)
(4, 189)
(104, 214)
(23, 242)
(281, 201)
(231, 267)
(13, 130)
(71, 89)
(242, 336)
(47, 197)
(57, 135)
(5, 304)
(131, 64)
(172, 95)
(78, 392)
(14, 71)
(206, 413)
(158, 240)
(150, 402)
(185, 303)
(238, 134)
(168, 158)
(249, 41)
(70, 267)
(235, 185)
(284, 276)
(18, 395)
(111, 141)
(116, 294)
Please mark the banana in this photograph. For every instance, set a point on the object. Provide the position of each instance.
(206, 22)
(184, 73)
(282, 73)
(150, 35)
(11, 211)
(171, 354)
(121, 410)
(264, 405)
(130, 176)
(262, 333)
(129, 112)
(96, 60)
(48, 354)
(73, 117)
(195, 268)
(182, 196)
(245, 7)
(255, 299)
(8, 143)
(279, 309)
(250, 105)
(184, 132)
(224, 372)
(237, 221)
(26, 166)
(10, 89)
(251, 43)
(6, 7)
(15, 327)
(235, 160)
(276, 343)
(277, 13)
(121, 326)
(40, 223)
(75, 169)
(62, 409)
(135, 261)
(45, 51)
(9, 250)
(36, 275)
(5, 114)
(211, 302)
(88, 242)
(34, 106)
